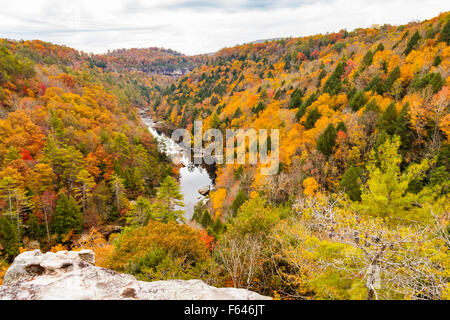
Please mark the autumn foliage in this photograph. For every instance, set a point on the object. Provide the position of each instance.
(359, 208)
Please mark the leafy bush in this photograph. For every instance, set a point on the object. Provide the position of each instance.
(137, 250)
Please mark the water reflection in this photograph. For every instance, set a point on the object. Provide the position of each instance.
(192, 177)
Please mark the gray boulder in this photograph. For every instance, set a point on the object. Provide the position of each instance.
(72, 275)
(204, 191)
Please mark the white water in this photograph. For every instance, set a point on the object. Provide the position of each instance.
(192, 177)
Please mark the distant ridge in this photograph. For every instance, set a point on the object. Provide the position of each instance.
(268, 40)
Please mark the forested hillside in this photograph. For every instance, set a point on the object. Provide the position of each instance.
(364, 149)
(359, 208)
(72, 149)
(335, 97)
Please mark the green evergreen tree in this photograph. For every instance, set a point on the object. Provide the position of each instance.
(218, 227)
(333, 83)
(301, 111)
(357, 101)
(238, 201)
(199, 207)
(296, 99)
(439, 175)
(350, 93)
(388, 119)
(375, 85)
(56, 125)
(313, 97)
(34, 229)
(259, 107)
(327, 140)
(206, 220)
(141, 213)
(65, 161)
(412, 42)
(445, 33)
(436, 81)
(237, 113)
(9, 241)
(403, 129)
(437, 61)
(351, 184)
(380, 47)
(169, 197)
(433, 79)
(11, 154)
(368, 59)
(67, 217)
(392, 77)
(372, 106)
(322, 75)
(381, 138)
(312, 118)
(214, 101)
(443, 158)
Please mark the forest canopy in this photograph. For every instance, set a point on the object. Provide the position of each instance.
(359, 208)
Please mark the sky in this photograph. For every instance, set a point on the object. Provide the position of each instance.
(196, 26)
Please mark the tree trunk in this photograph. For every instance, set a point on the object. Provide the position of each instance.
(373, 280)
(371, 294)
(84, 202)
(10, 203)
(18, 218)
(46, 224)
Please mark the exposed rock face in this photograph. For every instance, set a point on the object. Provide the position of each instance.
(72, 275)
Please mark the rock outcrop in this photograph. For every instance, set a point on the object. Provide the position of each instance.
(72, 275)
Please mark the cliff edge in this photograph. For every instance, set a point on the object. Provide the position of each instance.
(72, 275)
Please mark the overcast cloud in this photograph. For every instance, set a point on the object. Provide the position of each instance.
(196, 26)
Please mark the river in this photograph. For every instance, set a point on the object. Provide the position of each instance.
(192, 177)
